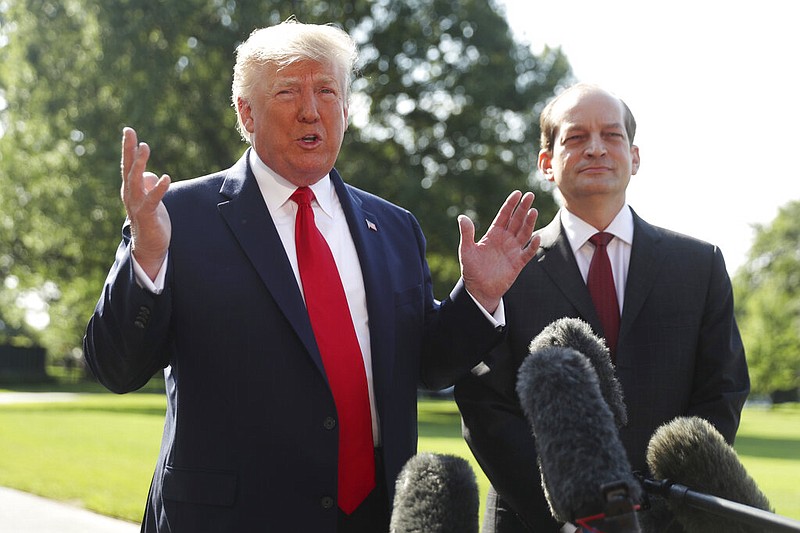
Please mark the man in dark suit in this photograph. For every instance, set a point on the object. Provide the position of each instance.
(209, 284)
(678, 349)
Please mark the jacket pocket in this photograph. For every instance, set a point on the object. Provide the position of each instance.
(412, 295)
(199, 486)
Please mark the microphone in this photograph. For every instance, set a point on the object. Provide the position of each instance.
(577, 334)
(435, 493)
(584, 468)
(690, 451)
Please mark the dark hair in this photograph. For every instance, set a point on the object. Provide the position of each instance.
(548, 125)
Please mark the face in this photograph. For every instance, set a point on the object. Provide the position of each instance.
(592, 159)
(296, 118)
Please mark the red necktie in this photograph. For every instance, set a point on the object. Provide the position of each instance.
(603, 291)
(341, 355)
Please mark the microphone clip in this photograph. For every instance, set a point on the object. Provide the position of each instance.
(619, 515)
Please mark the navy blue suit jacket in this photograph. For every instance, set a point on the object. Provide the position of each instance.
(250, 436)
(679, 353)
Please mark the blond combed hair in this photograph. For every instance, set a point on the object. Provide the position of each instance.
(284, 44)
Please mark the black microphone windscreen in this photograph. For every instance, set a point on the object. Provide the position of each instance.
(578, 335)
(576, 439)
(435, 493)
(691, 452)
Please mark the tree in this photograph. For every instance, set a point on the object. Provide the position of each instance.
(767, 292)
(443, 123)
(453, 116)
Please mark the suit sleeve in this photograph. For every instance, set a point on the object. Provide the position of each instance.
(500, 438)
(721, 380)
(126, 338)
(456, 332)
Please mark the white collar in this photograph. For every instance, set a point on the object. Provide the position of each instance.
(578, 231)
(277, 189)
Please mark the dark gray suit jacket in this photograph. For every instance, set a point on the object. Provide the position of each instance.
(679, 353)
(250, 436)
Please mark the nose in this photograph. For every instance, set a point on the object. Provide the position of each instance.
(308, 111)
(595, 147)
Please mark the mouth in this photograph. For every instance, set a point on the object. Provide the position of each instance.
(595, 169)
(311, 138)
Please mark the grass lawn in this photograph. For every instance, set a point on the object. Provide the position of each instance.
(768, 444)
(99, 450)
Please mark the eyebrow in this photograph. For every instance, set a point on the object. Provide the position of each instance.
(293, 81)
(578, 126)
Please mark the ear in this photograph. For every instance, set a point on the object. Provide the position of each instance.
(634, 159)
(546, 164)
(245, 113)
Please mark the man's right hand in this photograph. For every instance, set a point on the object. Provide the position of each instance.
(142, 193)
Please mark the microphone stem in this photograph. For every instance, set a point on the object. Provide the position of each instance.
(722, 507)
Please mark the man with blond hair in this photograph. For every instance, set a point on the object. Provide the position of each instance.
(293, 314)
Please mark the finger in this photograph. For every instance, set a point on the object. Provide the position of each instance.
(132, 182)
(129, 143)
(530, 250)
(503, 216)
(467, 231)
(154, 189)
(519, 218)
(159, 190)
(149, 181)
(528, 225)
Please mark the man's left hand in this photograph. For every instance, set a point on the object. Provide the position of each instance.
(491, 265)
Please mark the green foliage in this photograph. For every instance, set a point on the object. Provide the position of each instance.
(453, 108)
(767, 292)
(443, 122)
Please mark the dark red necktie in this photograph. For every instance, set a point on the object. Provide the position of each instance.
(603, 291)
(341, 355)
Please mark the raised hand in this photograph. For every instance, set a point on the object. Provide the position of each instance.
(490, 266)
(142, 193)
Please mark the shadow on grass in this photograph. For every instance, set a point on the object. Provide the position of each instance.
(79, 407)
(83, 386)
(768, 448)
(439, 418)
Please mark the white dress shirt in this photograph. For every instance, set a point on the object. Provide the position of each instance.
(619, 249)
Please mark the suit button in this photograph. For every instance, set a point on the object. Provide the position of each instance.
(329, 423)
(142, 317)
(326, 502)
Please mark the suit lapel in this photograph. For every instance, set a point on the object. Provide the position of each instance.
(244, 211)
(369, 240)
(646, 260)
(558, 262)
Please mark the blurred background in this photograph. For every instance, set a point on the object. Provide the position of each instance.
(444, 120)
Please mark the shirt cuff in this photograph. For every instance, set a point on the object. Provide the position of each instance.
(155, 286)
(498, 318)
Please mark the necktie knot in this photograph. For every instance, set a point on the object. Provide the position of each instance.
(601, 238)
(302, 196)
